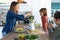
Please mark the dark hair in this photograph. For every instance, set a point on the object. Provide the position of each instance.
(43, 9)
(57, 15)
(13, 4)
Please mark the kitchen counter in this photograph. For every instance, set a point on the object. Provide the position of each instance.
(12, 35)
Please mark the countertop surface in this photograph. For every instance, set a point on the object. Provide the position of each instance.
(12, 35)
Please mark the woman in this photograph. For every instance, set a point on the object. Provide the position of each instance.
(44, 17)
(12, 17)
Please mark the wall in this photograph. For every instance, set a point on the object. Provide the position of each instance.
(26, 7)
(35, 9)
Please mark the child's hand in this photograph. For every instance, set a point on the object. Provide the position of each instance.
(50, 25)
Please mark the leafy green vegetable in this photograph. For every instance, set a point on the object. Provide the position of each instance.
(31, 17)
(31, 36)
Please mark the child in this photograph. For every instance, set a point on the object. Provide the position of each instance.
(44, 17)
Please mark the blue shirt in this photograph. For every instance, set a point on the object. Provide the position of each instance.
(11, 19)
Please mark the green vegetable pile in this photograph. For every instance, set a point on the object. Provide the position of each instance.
(31, 17)
(32, 36)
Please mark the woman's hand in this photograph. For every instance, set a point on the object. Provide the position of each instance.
(28, 14)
